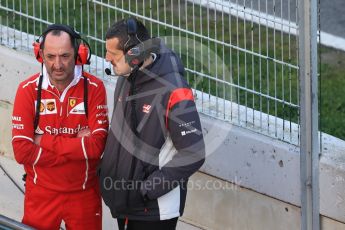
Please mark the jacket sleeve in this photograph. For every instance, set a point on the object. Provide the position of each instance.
(185, 131)
(90, 147)
(24, 148)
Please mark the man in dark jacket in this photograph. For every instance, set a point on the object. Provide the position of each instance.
(155, 142)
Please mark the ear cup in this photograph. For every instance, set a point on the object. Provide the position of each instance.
(37, 48)
(133, 53)
(134, 56)
(138, 53)
(83, 55)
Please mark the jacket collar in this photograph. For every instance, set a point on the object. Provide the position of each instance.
(46, 81)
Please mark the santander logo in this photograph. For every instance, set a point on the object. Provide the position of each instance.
(64, 130)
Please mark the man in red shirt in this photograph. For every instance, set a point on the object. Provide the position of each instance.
(60, 144)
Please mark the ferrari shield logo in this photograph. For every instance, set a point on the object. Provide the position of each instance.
(72, 102)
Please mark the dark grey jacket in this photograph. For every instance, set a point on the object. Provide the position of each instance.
(151, 153)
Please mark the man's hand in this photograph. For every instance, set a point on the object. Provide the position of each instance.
(37, 139)
(84, 133)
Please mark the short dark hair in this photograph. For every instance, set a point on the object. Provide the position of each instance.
(120, 30)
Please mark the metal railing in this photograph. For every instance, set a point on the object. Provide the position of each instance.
(241, 57)
(10, 224)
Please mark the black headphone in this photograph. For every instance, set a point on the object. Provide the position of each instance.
(136, 50)
(133, 55)
(82, 51)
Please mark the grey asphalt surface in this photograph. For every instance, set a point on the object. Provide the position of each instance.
(12, 199)
(332, 12)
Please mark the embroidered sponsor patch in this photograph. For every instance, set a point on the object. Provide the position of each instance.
(18, 126)
(47, 106)
(146, 108)
(42, 107)
(72, 102)
(184, 133)
(64, 130)
(75, 106)
(102, 114)
(101, 122)
(51, 106)
(102, 107)
(16, 118)
(186, 124)
(39, 131)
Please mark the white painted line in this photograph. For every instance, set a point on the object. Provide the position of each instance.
(333, 41)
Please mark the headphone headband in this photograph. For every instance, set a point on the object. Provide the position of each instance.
(132, 26)
(136, 51)
(132, 29)
(65, 28)
(82, 50)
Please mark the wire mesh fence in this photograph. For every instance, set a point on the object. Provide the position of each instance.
(241, 57)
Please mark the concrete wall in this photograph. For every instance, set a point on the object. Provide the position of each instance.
(231, 207)
(271, 167)
(257, 177)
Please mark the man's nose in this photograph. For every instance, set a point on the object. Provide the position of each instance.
(107, 56)
(58, 62)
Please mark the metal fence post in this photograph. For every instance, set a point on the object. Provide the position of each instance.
(309, 158)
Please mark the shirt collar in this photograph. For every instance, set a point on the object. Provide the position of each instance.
(46, 81)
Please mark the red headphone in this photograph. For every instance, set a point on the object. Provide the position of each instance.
(82, 50)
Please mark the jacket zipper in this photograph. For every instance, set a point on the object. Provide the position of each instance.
(133, 126)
